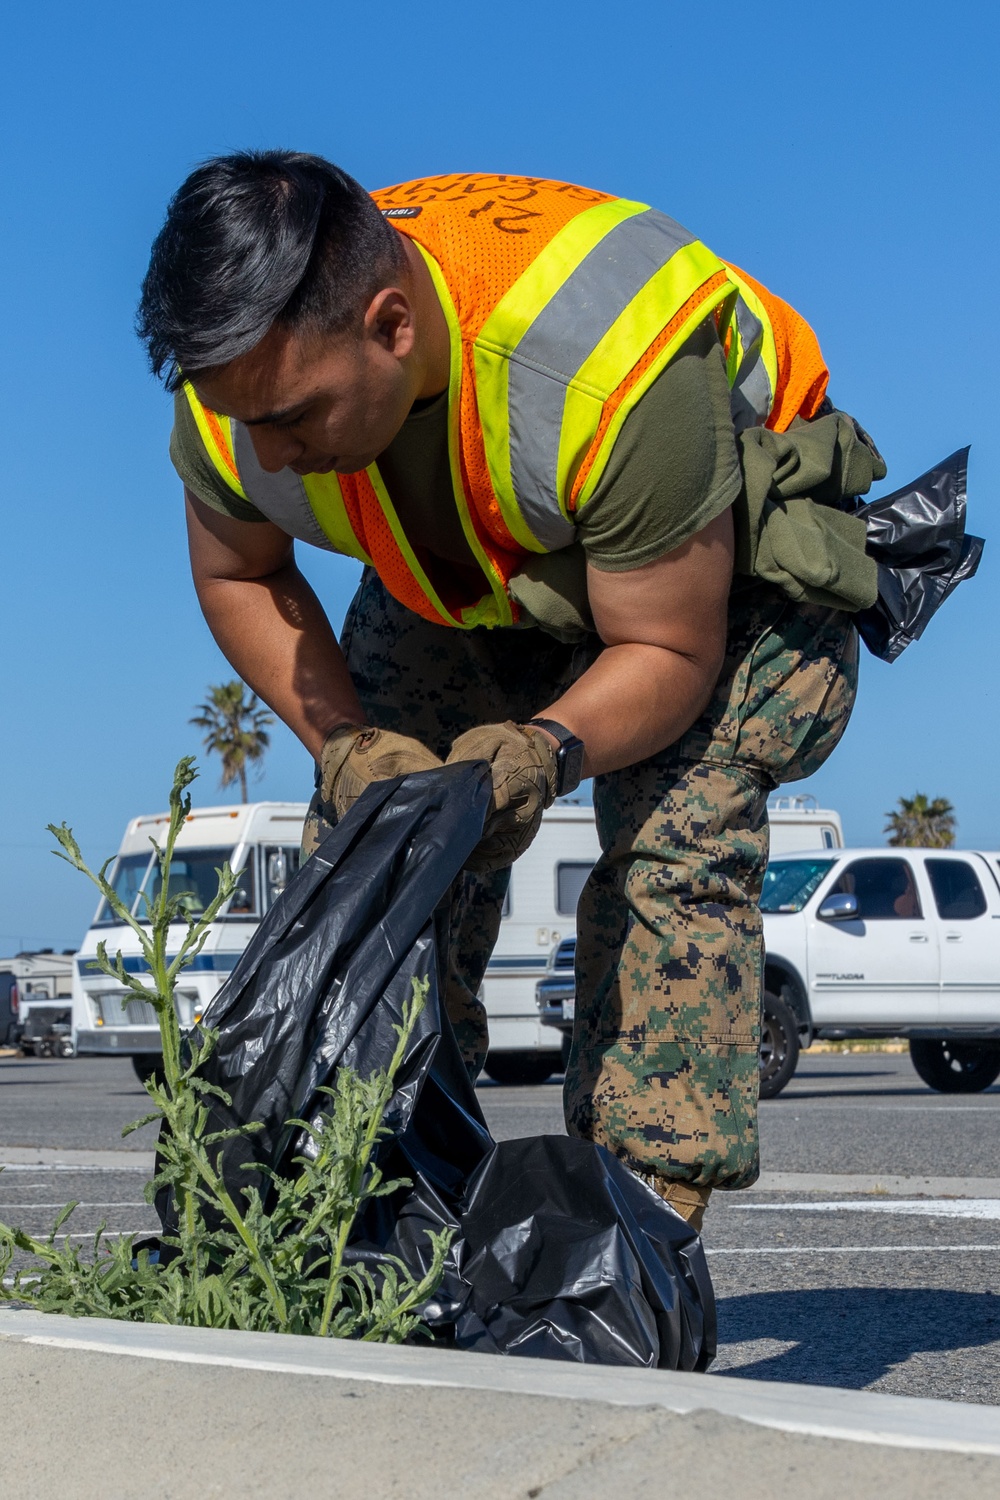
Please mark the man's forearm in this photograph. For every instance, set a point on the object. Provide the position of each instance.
(275, 634)
(633, 702)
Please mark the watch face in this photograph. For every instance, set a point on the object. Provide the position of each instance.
(570, 759)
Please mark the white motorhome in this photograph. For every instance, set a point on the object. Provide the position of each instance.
(263, 839)
(539, 913)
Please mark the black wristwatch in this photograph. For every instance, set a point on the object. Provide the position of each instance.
(569, 756)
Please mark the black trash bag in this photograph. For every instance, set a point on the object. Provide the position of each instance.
(917, 537)
(568, 1256)
(559, 1251)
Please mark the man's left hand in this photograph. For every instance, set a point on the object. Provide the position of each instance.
(524, 770)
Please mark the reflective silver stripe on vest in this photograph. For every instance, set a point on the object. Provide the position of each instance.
(551, 351)
(750, 397)
(282, 496)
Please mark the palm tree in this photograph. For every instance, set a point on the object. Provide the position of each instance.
(921, 823)
(234, 729)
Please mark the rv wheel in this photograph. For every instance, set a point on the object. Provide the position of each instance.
(148, 1065)
(522, 1067)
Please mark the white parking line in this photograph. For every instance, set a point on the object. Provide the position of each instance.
(63, 1166)
(109, 1234)
(932, 1208)
(884, 1109)
(860, 1250)
(5, 1206)
(882, 1183)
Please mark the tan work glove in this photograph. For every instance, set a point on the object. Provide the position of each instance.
(524, 783)
(352, 758)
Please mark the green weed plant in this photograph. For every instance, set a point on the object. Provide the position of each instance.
(278, 1266)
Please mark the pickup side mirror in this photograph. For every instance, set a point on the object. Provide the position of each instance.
(839, 909)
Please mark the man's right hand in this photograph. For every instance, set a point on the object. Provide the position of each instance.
(353, 757)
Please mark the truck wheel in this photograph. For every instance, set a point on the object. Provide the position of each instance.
(779, 1045)
(955, 1067)
(521, 1067)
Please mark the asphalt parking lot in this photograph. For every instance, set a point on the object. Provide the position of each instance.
(869, 1257)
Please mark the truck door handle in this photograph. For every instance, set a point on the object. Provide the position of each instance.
(953, 937)
(918, 937)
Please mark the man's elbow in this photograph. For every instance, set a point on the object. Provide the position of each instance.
(706, 665)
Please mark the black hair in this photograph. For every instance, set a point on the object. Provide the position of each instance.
(255, 238)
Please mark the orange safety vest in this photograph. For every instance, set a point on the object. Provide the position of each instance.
(564, 305)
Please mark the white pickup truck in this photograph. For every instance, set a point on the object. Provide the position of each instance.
(885, 942)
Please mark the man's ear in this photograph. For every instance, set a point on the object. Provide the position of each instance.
(390, 321)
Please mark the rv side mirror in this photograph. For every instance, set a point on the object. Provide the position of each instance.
(277, 869)
(839, 908)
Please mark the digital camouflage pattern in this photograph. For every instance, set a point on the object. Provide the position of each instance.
(663, 1068)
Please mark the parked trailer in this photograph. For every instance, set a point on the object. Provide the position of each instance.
(799, 823)
(35, 990)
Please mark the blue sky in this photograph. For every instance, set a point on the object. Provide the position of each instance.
(845, 156)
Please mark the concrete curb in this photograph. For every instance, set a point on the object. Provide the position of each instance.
(819, 1411)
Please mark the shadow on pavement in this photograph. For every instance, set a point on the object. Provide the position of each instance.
(821, 1073)
(793, 1095)
(852, 1336)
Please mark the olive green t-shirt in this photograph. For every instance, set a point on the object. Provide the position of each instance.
(673, 468)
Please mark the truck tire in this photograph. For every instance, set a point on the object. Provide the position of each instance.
(955, 1067)
(779, 1045)
(514, 1068)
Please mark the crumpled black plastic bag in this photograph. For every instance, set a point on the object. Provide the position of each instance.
(559, 1250)
(917, 537)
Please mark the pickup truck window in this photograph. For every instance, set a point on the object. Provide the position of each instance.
(789, 883)
(957, 892)
(884, 887)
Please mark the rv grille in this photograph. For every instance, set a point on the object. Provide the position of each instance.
(113, 1011)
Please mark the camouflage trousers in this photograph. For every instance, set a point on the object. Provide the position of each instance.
(664, 1062)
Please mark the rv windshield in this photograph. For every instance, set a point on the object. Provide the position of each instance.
(126, 882)
(192, 875)
(789, 883)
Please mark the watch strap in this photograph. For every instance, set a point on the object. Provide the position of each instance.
(569, 756)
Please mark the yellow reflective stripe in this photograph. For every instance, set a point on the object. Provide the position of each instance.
(768, 353)
(226, 471)
(409, 556)
(645, 317)
(492, 375)
(507, 325)
(497, 607)
(326, 501)
(728, 324)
